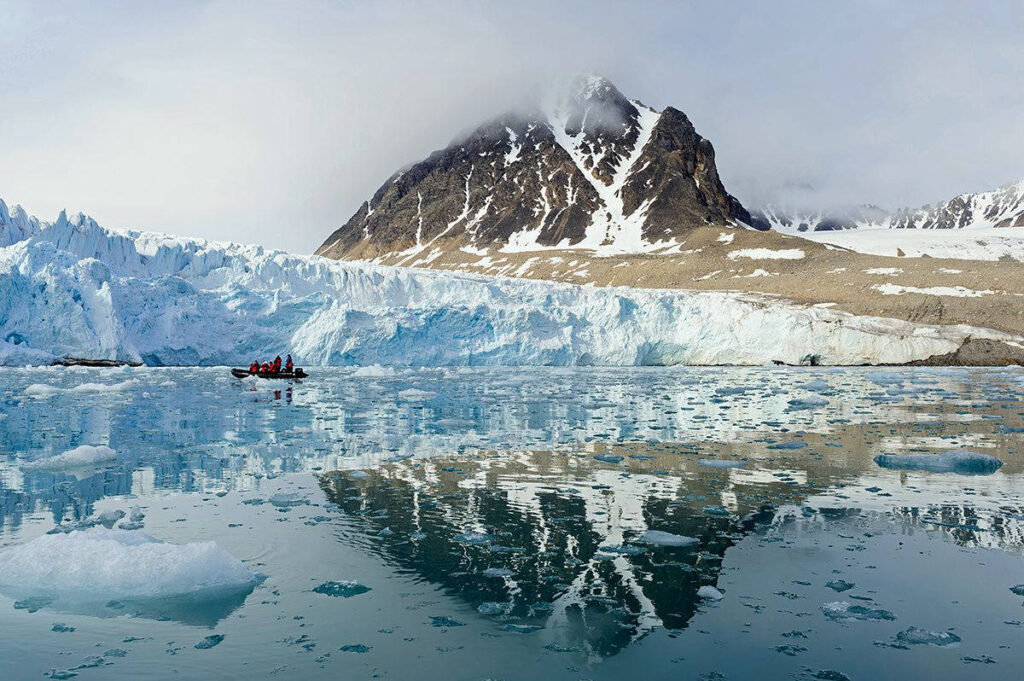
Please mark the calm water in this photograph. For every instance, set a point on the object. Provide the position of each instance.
(498, 518)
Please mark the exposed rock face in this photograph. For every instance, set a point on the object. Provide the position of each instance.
(594, 171)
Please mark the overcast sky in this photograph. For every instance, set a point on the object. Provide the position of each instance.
(271, 122)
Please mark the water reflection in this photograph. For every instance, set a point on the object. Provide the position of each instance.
(554, 542)
(485, 481)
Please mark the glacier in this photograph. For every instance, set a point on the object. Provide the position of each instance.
(72, 288)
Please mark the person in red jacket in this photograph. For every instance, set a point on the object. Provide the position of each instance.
(254, 367)
(277, 364)
(265, 369)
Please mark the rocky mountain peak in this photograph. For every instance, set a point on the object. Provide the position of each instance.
(587, 169)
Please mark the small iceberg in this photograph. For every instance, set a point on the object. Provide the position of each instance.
(344, 589)
(211, 641)
(104, 572)
(922, 637)
(959, 461)
(817, 386)
(373, 371)
(287, 499)
(659, 538)
(710, 593)
(474, 538)
(79, 457)
(844, 611)
(807, 403)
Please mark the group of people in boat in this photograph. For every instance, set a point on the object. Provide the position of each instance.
(274, 367)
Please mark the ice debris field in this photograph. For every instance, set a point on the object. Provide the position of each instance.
(566, 523)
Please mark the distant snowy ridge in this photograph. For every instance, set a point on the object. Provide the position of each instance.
(996, 208)
(74, 288)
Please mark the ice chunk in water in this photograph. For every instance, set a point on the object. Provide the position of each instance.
(840, 585)
(285, 499)
(497, 572)
(959, 461)
(807, 403)
(81, 456)
(344, 589)
(608, 458)
(417, 395)
(373, 371)
(843, 611)
(474, 538)
(108, 518)
(493, 608)
(817, 386)
(119, 564)
(721, 463)
(921, 637)
(709, 592)
(209, 642)
(667, 539)
(443, 621)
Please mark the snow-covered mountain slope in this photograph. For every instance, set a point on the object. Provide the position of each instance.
(997, 208)
(800, 221)
(73, 288)
(981, 226)
(1002, 207)
(588, 170)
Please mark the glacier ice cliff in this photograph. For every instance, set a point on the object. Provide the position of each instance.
(73, 288)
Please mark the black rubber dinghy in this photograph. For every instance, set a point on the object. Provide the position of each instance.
(244, 373)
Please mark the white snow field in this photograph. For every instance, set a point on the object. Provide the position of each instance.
(969, 243)
(73, 288)
(119, 564)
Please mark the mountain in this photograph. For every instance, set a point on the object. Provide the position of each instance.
(588, 170)
(997, 208)
(1003, 207)
(796, 221)
(73, 288)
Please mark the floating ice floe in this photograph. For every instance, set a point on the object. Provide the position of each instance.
(660, 538)
(119, 564)
(922, 637)
(343, 589)
(474, 538)
(817, 386)
(285, 499)
(710, 593)
(417, 395)
(807, 403)
(960, 461)
(373, 371)
(844, 611)
(79, 457)
(608, 458)
(721, 463)
(44, 390)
